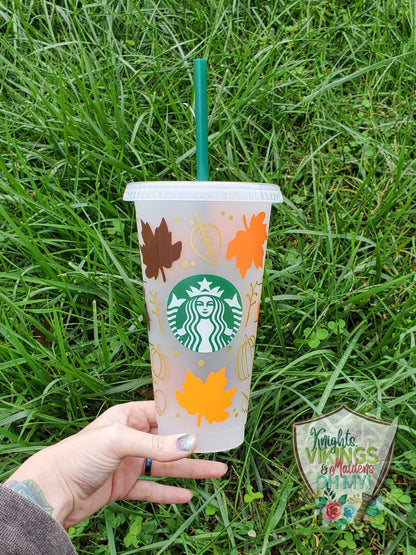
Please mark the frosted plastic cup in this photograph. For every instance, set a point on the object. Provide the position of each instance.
(202, 245)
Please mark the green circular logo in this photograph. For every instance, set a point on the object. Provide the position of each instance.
(204, 312)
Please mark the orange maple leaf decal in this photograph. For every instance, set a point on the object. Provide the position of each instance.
(247, 245)
(206, 399)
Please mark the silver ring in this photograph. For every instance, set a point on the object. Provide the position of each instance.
(147, 467)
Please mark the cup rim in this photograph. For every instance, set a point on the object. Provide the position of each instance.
(203, 190)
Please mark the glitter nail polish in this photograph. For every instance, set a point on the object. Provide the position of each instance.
(186, 442)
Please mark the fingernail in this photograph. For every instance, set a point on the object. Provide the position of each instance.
(225, 468)
(186, 442)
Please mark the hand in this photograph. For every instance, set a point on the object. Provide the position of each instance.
(103, 463)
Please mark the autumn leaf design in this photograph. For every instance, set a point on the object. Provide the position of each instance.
(206, 241)
(158, 252)
(247, 245)
(207, 399)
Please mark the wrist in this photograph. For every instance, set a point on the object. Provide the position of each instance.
(42, 486)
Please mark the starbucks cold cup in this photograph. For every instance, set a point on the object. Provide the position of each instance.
(202, 248)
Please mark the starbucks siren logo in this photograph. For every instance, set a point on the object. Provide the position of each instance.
(204, 312)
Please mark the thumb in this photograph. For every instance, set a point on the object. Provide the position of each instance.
(129, 442)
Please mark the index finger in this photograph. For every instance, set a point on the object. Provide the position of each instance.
(140, 415)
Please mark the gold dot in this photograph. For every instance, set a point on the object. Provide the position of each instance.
(185, 264)
(175, 354)
(228, 356)
(176, 219)
(222, 213)
(229, 349)
(192, 263)
(236, 414)
(201, 362)
(178, 415)
(230, 217)
(192, 222)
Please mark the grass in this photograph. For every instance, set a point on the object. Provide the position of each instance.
(317, 97)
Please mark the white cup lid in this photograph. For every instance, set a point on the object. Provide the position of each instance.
(203, 190)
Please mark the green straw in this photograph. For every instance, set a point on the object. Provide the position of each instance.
(201, 117)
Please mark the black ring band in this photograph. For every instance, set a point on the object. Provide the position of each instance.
(147, 467)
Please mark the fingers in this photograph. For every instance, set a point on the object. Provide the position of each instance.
(146, 490)
(188, 468)
(140, 415)
(128, 442)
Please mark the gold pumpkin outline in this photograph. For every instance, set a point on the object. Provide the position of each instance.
(160, 369)
(160, 397)
(245, 358)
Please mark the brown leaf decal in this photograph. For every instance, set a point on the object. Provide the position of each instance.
(206, 399)
(247, 245)
(158, 252)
